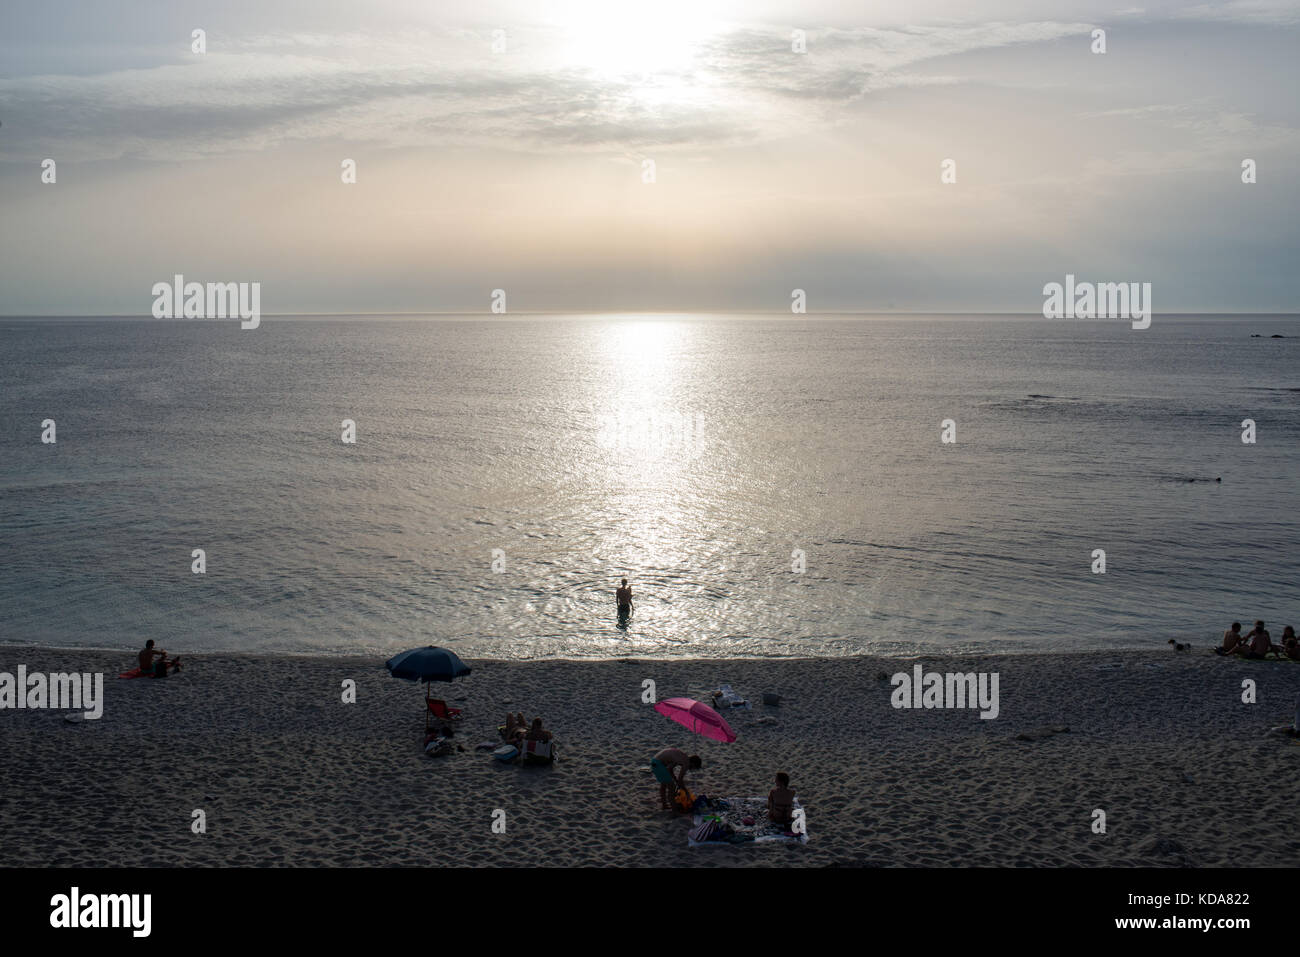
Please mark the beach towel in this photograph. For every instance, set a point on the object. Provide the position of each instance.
(762, 831)
(724, 697)
(1283, 659)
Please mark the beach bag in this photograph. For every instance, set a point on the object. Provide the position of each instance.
(685, 800)
(506, 752)
(538, 752)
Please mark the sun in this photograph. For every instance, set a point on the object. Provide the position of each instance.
(651, 44)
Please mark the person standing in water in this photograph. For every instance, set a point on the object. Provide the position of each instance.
(623, 596)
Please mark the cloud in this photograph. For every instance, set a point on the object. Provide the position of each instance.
(446, 88)
(1191, 136)
(1279, 12)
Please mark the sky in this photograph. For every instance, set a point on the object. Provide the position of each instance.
(524, 167)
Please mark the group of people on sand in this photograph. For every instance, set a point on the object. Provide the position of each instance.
(670, 765)
(516, 730)
(1257, 644)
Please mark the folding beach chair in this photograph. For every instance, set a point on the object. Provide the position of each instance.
(437, 708)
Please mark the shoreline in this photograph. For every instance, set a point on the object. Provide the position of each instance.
(287, 774)
(326, 657)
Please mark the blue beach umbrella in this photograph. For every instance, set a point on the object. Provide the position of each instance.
(429, 664)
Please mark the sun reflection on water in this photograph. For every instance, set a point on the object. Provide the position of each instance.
(651, 467)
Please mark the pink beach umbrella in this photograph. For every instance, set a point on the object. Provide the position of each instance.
(697, 716)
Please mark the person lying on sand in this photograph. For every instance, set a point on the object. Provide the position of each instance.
(669, 768)
(1232, 641)
(780, 801)
(513, 731)
(159, 668)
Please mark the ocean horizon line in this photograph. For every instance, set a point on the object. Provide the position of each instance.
(650, 313)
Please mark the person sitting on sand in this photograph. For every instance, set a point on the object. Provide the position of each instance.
(669, 768)
(1259, 643)
(1290, 644)
(780, 801)
(159, 668)
(537, 732)
(508, 729)
(1232, 641)
(623, 598)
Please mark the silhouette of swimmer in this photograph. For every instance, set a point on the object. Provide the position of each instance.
(623, 598)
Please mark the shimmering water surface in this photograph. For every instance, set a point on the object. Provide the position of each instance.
(693, 455)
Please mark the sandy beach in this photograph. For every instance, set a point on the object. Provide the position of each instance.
(287, 774)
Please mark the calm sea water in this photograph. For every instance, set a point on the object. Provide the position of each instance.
(692, 455)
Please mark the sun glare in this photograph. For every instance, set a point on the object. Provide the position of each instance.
(641, 44)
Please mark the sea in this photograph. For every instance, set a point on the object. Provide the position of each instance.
(901, 485)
